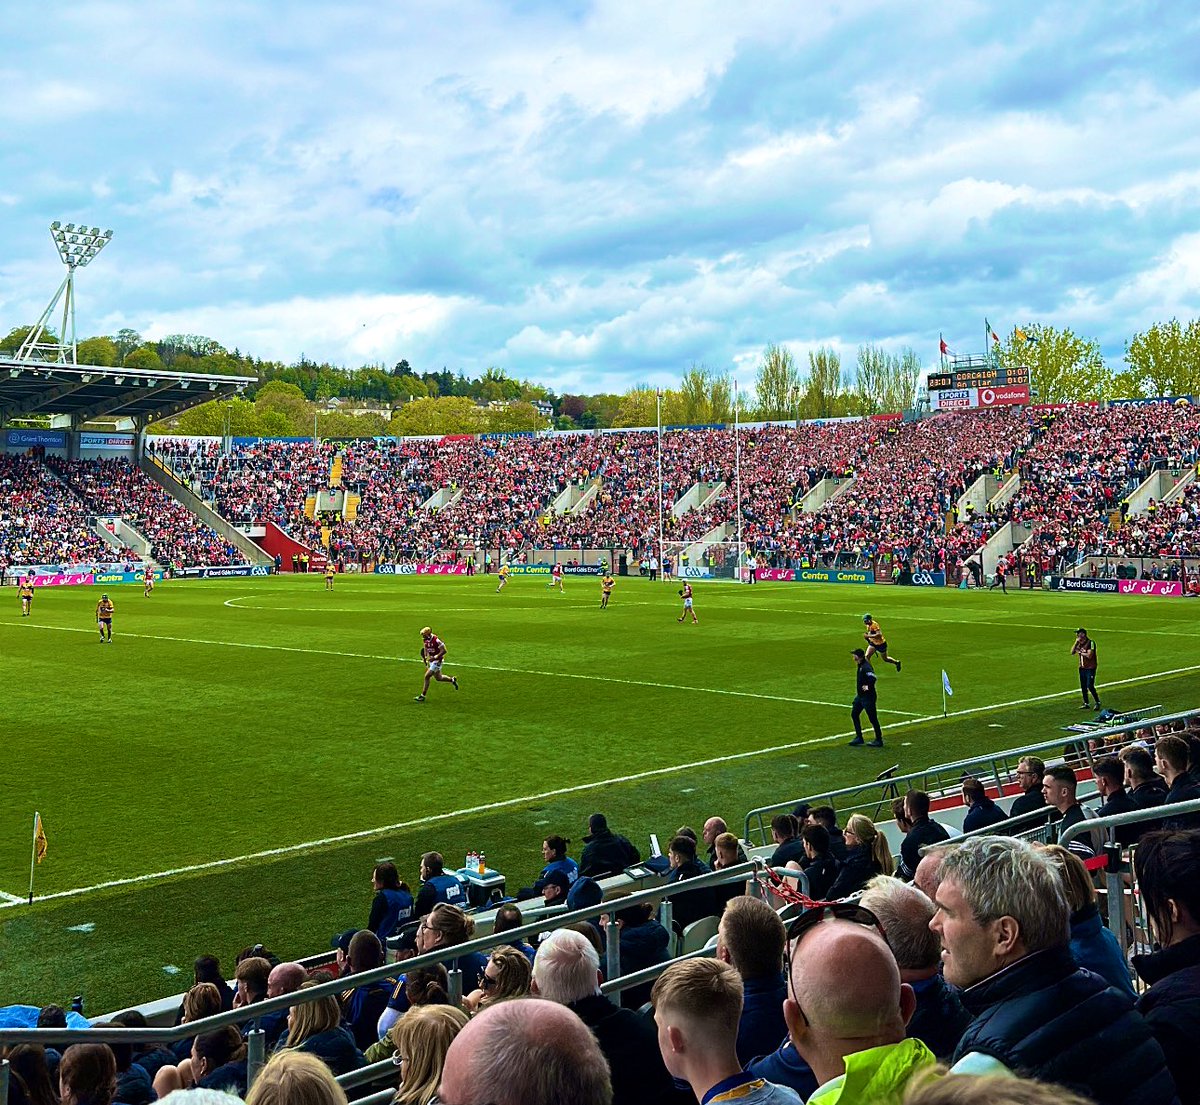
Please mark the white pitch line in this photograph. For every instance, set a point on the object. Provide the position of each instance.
(473, 667)
(508, 803)
(13, 898)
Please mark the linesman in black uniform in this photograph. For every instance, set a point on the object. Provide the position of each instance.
(864, 699)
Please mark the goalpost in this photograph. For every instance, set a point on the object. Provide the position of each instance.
(712, 560)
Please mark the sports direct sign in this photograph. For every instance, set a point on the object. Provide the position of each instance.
(966, 399)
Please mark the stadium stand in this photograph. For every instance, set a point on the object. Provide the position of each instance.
(118, 487)
(41, 520)
(438, 498)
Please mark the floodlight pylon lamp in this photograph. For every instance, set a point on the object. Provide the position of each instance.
(76, 246)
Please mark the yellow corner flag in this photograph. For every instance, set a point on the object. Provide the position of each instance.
(39, 838)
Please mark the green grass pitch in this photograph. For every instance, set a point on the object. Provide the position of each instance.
(230, 719)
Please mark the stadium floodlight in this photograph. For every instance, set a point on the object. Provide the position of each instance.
(77, 246)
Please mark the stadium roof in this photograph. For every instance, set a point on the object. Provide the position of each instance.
(87, 392)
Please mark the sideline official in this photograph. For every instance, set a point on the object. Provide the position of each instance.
(864, 699)
(1085, 648)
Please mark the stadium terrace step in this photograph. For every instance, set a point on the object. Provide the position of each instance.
(822, 492)
(698, 496)
(978, 495)
(1159, 486)
(442, 498)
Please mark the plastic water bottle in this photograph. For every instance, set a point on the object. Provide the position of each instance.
(469, 864)
(482, 864)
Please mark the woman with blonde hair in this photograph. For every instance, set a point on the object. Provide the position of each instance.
(296, 1078)
(867, 855)
(423, 1036)
(316, 1027)
(507, 975)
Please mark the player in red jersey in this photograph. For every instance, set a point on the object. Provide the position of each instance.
(556, 578)
(433, 652)
(685, 593)
(147, 581)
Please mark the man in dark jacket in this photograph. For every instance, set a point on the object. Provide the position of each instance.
(905, 912)
(567, 971)
(1171, 759)
(923, 833)
(981, 811)
(1003, 921)
(694, 904)
(788, 846)
(1110, 782)
(1059, 786)
(1145, 787)
(605, 852)
(1030, 772)
(826, 817)
(751, 938)
(363, 1005)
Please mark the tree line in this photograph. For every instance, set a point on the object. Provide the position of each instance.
(290, 399)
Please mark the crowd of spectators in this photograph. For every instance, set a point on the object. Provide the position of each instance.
(897, 509)
(118, 487)
(41, 521)
(1084, 463)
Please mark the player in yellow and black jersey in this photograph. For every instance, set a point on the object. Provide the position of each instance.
(26, 593)
(607, 583)
(876, 642)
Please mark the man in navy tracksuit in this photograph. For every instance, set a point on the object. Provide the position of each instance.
(864, 699)
(437, 886)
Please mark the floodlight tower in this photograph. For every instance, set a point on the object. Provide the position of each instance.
(76, 246)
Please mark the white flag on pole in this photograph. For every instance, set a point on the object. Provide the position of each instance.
(946, 683)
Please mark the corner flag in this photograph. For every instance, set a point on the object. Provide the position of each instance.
(39, 838)
(946, 683)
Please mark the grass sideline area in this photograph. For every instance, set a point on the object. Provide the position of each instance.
(233, 718)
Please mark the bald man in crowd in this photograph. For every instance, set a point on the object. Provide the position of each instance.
(526, 1052)
(928, 875)
(848, 1012)
(285, 978)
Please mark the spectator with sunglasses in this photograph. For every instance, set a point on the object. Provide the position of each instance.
(507, 975)
(1002, 917)
(848, 1009)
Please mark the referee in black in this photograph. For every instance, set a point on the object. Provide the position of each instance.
(864, 699)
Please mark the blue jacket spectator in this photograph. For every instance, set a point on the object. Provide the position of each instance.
(438, 887)
(643, 942)
(316, 1027)
(392, 906)
(751, 939)
(982, 811)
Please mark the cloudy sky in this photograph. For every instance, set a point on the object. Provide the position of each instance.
(594, 194)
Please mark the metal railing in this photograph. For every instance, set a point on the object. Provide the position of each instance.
(255, 1043)
(997, 768)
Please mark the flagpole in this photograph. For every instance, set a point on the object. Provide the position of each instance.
(943, 698)
(658, 415)
(33, 853)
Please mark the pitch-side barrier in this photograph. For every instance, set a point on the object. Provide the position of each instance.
(942, 781)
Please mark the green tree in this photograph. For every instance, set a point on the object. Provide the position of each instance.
(126, 342)
(823, 390)
(1165, 359)
(870, 379)
(705, 396)
(777, 384)
(14, 338)
(639, 407)
(101, 352)
(290, 402)
(145, 357)
(445, 415)
(514, 417)
(1063, 367)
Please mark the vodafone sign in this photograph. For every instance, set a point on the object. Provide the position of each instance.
(966, 399)
(1004, 396)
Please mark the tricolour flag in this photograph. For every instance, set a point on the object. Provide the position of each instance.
(944, 347)
(988, 327)
(946, 683)
(39, 838)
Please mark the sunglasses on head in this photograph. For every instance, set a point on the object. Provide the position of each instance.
(809, 919)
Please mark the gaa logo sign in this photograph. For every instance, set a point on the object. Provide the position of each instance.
(924, 578)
